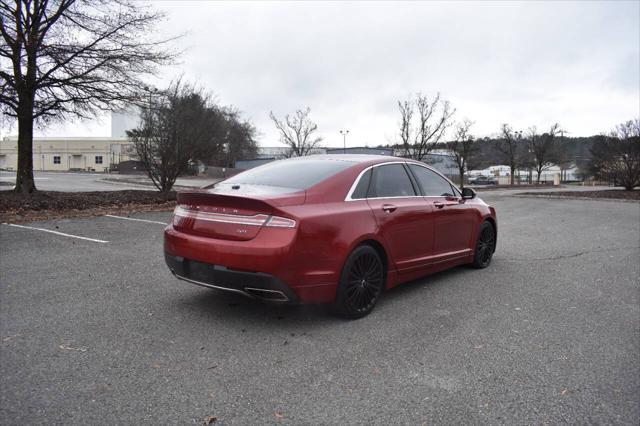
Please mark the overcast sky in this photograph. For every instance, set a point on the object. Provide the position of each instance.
(529, 63)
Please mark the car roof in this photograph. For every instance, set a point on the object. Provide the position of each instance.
(365, 160)
(352, 158)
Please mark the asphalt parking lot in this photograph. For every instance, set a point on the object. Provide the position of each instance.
(100, 332)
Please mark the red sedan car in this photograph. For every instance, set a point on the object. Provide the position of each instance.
(327, 229)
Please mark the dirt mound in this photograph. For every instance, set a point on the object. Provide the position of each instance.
(44, 205)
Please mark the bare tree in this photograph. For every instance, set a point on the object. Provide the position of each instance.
(463, 148)
(232, 138)
(432, 117)
(174, 129)
(240, 139)
(406, 130)
(68, 58)
(297, 132)
(617, 157)
(542, 148)
(510, 147)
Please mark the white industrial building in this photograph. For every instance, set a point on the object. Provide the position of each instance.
(94, 154)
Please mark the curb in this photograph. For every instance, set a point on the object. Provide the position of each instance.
(141, 184)
(566, 197)
(125, 182)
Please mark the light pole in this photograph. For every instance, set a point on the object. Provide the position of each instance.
(518, 135)
(563, 159)
(344, 139)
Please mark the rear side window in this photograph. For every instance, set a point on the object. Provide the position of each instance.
(432, 184)
(391, 180)
(363, 186)
(296, 174)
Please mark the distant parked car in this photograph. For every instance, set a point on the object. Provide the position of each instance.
(327, 229)
(483, 180)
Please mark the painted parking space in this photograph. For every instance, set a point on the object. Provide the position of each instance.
(134, 219)
(106, 230)
(33, 228)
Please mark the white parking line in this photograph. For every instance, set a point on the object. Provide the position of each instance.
(136, 220)
(56, 232)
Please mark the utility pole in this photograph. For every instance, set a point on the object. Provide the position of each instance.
(344, 139)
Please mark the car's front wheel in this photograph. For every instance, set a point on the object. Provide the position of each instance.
(361, 282)
(485, 245)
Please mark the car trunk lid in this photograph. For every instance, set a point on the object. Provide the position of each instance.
(231, 214)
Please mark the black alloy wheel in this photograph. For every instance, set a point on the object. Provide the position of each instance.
(485, 246)
(361, 282)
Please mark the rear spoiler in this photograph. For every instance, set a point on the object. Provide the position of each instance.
(255, 203)
(224, 201)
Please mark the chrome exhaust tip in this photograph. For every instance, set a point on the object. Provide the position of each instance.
(267, 295)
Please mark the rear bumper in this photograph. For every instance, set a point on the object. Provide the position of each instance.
(274, 260)
(255, 285)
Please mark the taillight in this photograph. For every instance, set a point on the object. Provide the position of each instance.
(280, 222)
(181, 213)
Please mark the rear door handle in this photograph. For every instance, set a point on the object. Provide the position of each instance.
(438, 204)
(389, 208)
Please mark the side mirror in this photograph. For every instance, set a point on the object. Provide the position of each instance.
(468, 193)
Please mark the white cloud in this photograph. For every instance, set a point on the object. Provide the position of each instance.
(527, 64)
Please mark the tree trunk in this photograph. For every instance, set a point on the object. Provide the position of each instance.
(461, 178)
(165, 193)
(25, 183)
(538, 177)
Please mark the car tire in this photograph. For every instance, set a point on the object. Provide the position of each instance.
(485, 246)
(361, 283)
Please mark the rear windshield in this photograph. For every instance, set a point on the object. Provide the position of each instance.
(296, 174)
